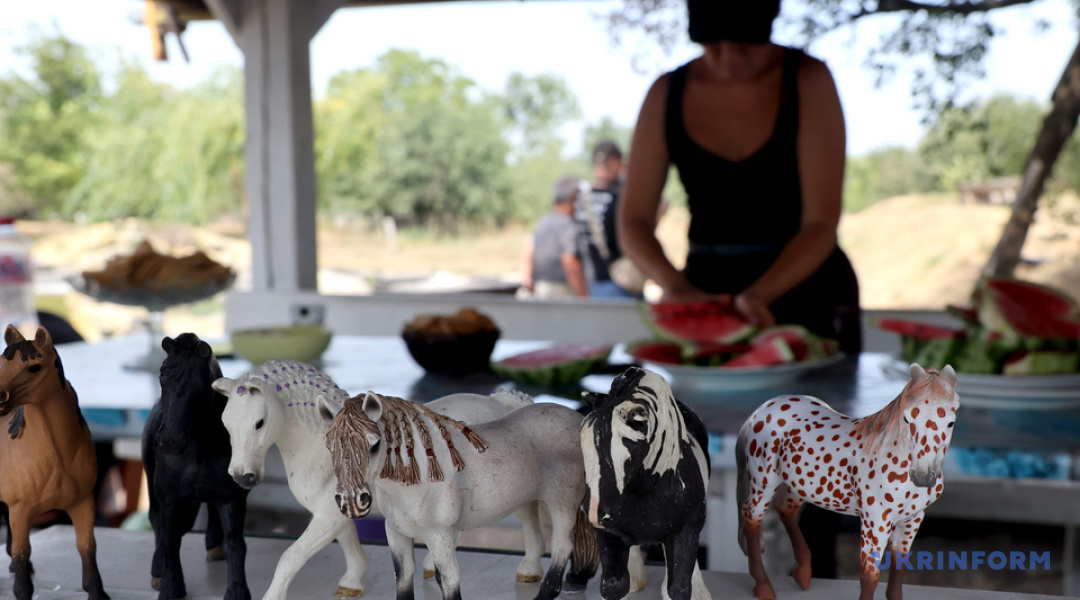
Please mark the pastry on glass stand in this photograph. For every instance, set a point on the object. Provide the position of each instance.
(155, 281)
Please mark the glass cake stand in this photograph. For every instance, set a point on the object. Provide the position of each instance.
(153, 301)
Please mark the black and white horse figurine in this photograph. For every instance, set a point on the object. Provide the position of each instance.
(186, 452)
(647, 472)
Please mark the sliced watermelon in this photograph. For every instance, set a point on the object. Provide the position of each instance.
(1018, 309)
(774, 352)
(669, 353)
(805, 345)
(699, 322)
(558, 365)
(920, 331)
(1046, 362)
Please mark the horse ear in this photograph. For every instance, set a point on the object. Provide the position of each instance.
(326, 412)
(949, 374)
(223, 385)
(203, 349)
(917, 372)
(42, 339)
(372, 406)
(167, 344)
(592, 399)
(12, 335)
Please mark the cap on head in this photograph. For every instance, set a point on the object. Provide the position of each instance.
(748, 21)
(565, 189)
(604, 151)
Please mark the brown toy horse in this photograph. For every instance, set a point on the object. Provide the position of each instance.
(46, 455)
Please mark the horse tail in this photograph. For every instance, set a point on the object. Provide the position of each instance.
(585, 558)
(742, 484)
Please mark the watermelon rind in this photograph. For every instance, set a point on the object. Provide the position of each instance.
(1017, 309)
(581, 361)
(1044, 362)
(657, 351)
(774, 352)
(802, 342)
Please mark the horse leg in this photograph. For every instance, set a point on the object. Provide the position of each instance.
(429, 560)
(752, 513)
(158, 562)
(401, 551)
(82, 517)
(176, 519)
(900, 543)
(19, 526)
(317, 536)
(680, 558)
(788, 505)
(351, 584)
(614, 576)
(214, 534)
(562, 545)
(529, 571)
(872, 550)
(5, 519)
(636, 566)
(232, 521)
(441, 544)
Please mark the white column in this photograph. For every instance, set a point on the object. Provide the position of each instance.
(275, 37)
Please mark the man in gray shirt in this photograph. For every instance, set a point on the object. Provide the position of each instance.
(552, 266)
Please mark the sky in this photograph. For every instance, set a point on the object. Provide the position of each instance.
(490, 40)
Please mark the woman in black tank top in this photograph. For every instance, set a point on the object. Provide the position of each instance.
(757, 134)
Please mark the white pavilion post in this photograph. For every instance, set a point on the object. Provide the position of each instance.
(275, 37)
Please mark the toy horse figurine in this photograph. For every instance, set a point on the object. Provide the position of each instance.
(276, 404)
(186, 453)
(885, 468)
(435, 476)
(46, 455)
(647, 472)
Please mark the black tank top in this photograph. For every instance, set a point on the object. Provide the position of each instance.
(753, 201)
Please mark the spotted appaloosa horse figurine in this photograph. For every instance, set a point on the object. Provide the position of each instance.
(186, 454)
(648, 472)
(276, 403)
(434, 476)
(884, 468)
(46, 455)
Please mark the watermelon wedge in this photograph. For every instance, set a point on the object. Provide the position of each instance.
(698, 322)
(920, 331)
(773, 352)
(805, 345)
(1018, 309)
(668, 353)
(558, 365)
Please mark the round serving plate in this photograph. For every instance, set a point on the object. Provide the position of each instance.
(1009, 392)
(719, 379)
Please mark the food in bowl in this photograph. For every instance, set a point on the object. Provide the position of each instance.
(455, 344)
(148, 270)
(304, 343)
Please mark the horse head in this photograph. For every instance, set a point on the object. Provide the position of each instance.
(621, 440)
(352, 436)
(254, 422)
(186, 396)
(29, 369)
(929, 404)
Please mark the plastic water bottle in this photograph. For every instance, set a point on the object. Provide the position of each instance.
(16, 280)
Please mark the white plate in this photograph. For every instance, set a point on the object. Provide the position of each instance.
(719, 379)
(1012, 392)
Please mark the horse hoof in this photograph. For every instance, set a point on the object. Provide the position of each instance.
(155, 582)
(802, 577)
(429, 574)
(636, 585)
(344, 592)
(764, 591)
(524, 578)
(217, 553)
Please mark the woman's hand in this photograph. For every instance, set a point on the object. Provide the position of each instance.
(681, 290)
(754, 309)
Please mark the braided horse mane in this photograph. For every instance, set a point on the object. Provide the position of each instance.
(402, 422)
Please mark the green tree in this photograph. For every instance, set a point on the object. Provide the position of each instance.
(535, 108)
(882, 174)
(348, 122)
(44, 118)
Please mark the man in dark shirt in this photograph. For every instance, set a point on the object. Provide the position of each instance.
(552, 265)
(601, 243)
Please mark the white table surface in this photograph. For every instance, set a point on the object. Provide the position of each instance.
(124, 559)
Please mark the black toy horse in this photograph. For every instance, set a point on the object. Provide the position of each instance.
(186, 452)
(647, 470)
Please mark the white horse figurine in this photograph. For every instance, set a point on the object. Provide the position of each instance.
(276, 404)
(434, 476)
